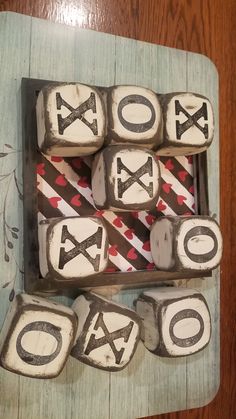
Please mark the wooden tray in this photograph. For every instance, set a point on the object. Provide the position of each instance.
(38, 49)
(47, 179)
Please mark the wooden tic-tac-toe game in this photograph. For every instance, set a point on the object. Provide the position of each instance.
(121, 244)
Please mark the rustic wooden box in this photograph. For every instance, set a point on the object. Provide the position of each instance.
(40, 179)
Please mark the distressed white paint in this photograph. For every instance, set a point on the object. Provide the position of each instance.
(99, 180)
(168, 244)
(150, 333)
(185, 329)
(104, 355)
(207, 244)
(135, 113)
(133, 160)
(36, 342)
(42, 238)
(81, 307)
(192, 140)
(169, 293)
(105, 178)
(161, 242)
(158, 307)
(200, 244)
(88, 311)
(80, 228)
(80, 137)
(178, 151)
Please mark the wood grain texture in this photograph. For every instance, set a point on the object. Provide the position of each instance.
(63, 52)
(204, 26)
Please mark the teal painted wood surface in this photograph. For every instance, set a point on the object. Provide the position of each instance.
(39, 49)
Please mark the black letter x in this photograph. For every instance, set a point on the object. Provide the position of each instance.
(192, 120)
(76, 113)
(135, 177)
(65, 257)
(109, 338)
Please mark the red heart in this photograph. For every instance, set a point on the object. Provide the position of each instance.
(117, 222)
(181, 199)
(191, 189)
(83, 182)
(132, 254)
(54, 201)
(129, 233)
(161, 206)
(169, 165)
(182, 175)
(134, 214)
(190, 159)
(111, 269)
(56, 159)
(61, 181)
(99, 213)
(129, 269)
(112, 250)
(150, 219)
(76, 200)
(146, 246)
(166, 187)
(77, 163)
(150, 266)
(40, 169)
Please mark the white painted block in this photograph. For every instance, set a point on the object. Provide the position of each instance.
(134, 116)
(71, 120)
(188, 124)
(125, 179)
(108, 333)
(37, 337)
(186, 243)
(176, 321)
(71, 248)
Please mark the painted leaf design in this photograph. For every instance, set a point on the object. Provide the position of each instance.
(12, 295)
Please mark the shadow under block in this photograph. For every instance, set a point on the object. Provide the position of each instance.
(33, 48)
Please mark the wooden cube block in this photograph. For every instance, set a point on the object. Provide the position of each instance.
(188, 124)
(70, 120)
(37, 337)
(134, 116)
(176, 321)
(108, 333)
(125, 178)
(71, 248)
(186, 243)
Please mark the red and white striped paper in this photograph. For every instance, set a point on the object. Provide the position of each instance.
(64, 189)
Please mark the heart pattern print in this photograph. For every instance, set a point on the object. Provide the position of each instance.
(64, 189)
